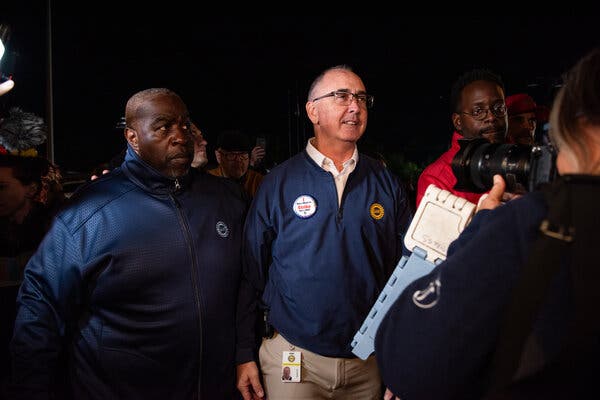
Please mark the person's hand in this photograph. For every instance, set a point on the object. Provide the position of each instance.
(256, 155)
(248, 381)
(95, 176)
(6, 86)
(389, 395)
(496, 195)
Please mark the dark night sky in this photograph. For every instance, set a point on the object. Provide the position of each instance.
(254, 73)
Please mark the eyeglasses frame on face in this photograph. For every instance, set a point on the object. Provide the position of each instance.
(488, 109)
(230, 156)
(365, 99)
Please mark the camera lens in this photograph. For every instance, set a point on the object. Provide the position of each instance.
(478, 161)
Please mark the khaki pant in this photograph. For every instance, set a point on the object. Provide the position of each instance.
(322, 377)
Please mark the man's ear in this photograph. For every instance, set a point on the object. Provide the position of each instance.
(311, 111)
(218, 156)
(457, 122)
(132, 138)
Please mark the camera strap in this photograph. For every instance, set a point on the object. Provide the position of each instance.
(566, 238)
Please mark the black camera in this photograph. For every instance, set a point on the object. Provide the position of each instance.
(523, 167)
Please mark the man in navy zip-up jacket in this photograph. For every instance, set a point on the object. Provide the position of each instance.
(326, 227)
(139, 279)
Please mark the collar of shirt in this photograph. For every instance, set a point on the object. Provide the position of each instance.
(327, 164)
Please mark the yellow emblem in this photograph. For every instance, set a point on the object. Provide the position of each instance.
(291, 358)
(376, 211)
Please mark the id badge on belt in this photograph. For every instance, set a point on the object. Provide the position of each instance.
(291, 365)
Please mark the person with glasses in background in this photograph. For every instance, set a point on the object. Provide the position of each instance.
(478, 111)
(327, 226)
(233, 157)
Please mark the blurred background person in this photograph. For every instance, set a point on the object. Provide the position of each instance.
(200, 157)
(30, 195)
(257, 156)
(30, 190)
(233, 159)
(522, 119)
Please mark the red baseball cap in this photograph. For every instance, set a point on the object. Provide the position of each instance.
(520, 103)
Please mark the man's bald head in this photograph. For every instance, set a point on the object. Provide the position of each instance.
(142, 97)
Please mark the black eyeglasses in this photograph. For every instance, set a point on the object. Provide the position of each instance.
(232, 156)
(479, 113)
(344, 98)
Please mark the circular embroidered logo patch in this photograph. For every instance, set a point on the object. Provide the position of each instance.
(376, 211)
(222, 229)
(305, 206)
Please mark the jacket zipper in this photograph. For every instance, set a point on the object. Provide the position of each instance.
(194, 274)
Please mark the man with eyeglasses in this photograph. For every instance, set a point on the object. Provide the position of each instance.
(322, 237)
(233, 157)
(478, 111)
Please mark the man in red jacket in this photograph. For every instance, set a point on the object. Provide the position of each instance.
(478, 110)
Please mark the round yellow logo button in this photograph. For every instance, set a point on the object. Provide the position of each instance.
(376, 211)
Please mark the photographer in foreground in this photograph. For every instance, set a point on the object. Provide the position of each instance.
(513, 311)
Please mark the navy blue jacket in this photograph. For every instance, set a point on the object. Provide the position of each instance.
(142, 280)
(326, 270)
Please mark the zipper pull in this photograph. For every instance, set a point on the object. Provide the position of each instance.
(177, 185)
